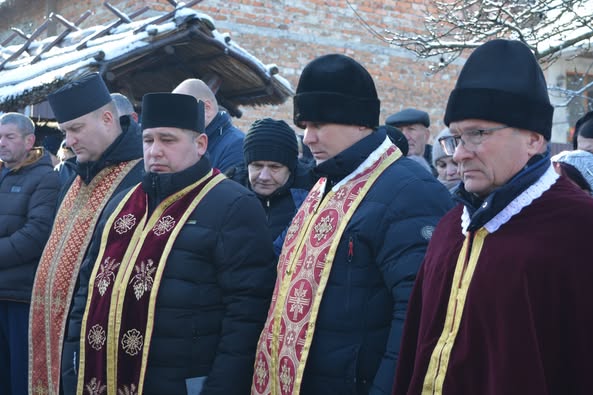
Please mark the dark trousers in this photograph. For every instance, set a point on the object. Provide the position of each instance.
(14, 334)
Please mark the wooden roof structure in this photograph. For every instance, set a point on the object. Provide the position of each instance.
(137, 57)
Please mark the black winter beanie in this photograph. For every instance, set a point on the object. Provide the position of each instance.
(502, 82)
(271, 140)
(336, 89)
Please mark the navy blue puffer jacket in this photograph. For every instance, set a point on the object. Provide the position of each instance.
(358, 330)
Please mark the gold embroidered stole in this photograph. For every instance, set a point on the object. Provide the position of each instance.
(303, 270)
(58, 270)
(119, 316)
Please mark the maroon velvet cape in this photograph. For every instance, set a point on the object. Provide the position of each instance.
(527, 323)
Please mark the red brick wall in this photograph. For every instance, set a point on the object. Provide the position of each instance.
(290, 33)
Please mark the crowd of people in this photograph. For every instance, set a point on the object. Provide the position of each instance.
(175, 254)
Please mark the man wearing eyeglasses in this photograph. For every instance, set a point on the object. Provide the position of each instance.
(500, 305)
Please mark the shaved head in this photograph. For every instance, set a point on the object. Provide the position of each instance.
(198, 89)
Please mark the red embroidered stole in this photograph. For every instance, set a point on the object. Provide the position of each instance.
(119, 316)
(58, 270)
(303, 269)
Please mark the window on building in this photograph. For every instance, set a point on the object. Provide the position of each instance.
(580, 104)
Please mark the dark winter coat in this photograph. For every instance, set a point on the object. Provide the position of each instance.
(357, 334)
(280, 206)
(214, 295)
(28, 195)
(225, 143)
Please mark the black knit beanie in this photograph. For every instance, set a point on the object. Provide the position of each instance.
(271, 140)
(336, 89)
(502, 82)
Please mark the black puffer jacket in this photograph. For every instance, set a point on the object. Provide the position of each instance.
(28, 201)
(214, 295)
(358, 329)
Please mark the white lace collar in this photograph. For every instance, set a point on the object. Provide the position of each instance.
(516, 205)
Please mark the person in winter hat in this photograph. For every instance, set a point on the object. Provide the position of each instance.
(443, 163)
(108, 160)
(577, 166)
(194, 265)
(415, 124)
(272, 170)
(350, 254)
(495, 308)
(583, 133)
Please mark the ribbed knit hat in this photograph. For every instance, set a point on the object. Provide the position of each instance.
(172, 110)
(271, 140)
(437, 149)
(79, 97)
(502, 82)
(336, 89)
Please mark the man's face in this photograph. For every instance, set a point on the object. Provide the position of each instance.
(266, 176)
(496, 159)
(89, 135)
(171, 150)
(326, 140)
(417, 135)
(13, 145)
(585, 143)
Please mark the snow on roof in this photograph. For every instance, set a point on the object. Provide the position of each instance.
(141, 57)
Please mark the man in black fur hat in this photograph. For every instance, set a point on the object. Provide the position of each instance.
(351, 253)
(108, 160)
(501, 305)
(175, 289)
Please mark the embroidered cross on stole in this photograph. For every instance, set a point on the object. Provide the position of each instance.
(303, 270)
(119, 316)
(57, 272)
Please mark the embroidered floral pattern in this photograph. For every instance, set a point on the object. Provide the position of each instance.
(164, 225)
(95, 387)
(132, 342)
(96, 337)
(124, 224)
(261, 372)
(106, 275)
(298, 301)
(285, 378)
(142, 281)
(323, 228)
(125, 390)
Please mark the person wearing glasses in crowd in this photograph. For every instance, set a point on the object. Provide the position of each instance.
(444, 163)
(500, 305)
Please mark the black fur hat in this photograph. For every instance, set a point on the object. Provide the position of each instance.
(172, 110)
(79, 97)
(336, 89)
(502, 82)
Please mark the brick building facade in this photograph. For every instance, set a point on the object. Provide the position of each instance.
(290, 34)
